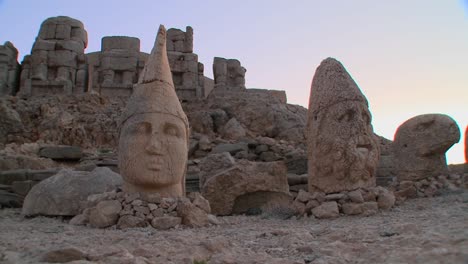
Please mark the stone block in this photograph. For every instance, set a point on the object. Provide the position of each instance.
(71, 45)
(119, 63)
(8, 177)
(22, 187)
(63, 31)
(120, 43)
(59, 58)
(41, 44)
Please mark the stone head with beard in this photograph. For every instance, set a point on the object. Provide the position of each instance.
(343, 152)
(153, 140)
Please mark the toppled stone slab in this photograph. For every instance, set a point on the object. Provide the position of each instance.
(61, 152)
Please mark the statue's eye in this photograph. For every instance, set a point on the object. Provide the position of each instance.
(347, 116)
(171, 130)
(140, 128)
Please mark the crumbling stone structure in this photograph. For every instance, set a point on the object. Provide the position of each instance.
(228, 74)
(9, 69)
(116, 68)
(57, 63)
(187, 72)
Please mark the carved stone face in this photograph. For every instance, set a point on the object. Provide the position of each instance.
(153, 153)
(344, 152)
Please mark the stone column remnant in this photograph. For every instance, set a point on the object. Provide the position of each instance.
(420, 144)
(57, 63)
(343, 154)
(9, 69)
(228, 74)
(187, 72)
(154, 133)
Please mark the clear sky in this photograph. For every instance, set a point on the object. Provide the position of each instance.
(409, 57)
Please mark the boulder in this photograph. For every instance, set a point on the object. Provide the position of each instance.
(420, 144)
(130, 221)
(232, 148)
(63, 193)
(246, 177)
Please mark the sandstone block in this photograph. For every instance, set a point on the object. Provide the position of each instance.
(245, 178)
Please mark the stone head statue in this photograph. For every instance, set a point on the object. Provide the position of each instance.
(153, 141)
(343, 152)
(420, 144)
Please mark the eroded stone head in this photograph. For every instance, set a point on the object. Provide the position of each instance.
(343, 152)
(420, 144)
(154, 133)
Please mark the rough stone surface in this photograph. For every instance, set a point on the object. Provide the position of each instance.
(233, 130)
(343, 152)
(62, 193)
(222, 189)
(326, 210)
(420, 144)
(213, 164)
(154, 135)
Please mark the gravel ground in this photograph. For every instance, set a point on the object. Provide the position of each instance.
(426, 230)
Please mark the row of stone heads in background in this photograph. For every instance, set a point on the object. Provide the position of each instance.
(58, 64)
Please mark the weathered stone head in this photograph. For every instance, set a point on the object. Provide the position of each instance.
(343, 152)
(420, 144)
(154, 134)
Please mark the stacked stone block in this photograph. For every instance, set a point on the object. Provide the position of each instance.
(57, 63)
(115, 69)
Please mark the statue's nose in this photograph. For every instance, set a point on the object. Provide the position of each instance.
(154, 145)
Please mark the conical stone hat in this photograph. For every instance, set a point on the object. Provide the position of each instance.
(155, 91)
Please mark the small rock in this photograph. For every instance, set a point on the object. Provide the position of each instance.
(334, 196)
(152, 206)
(131, 197)
(137, 202)
(142, 209)
(192, 216)
(326, 210)
(158, 212)
(152, 198)
(213, 220)
(386, 200)
(311, 205)
(303, 196)
(106, 213)
(369, 208)
(130, 221)
(79, 220)
(356, 196)
(63, 255)
(199, 201)
(352, 208)
(165, 222)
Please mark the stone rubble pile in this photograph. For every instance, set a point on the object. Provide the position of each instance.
(363, 201)
(123, 210)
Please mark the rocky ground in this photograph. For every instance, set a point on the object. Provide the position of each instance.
(424, 230)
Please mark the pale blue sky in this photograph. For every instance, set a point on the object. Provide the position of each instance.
(409, 57)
